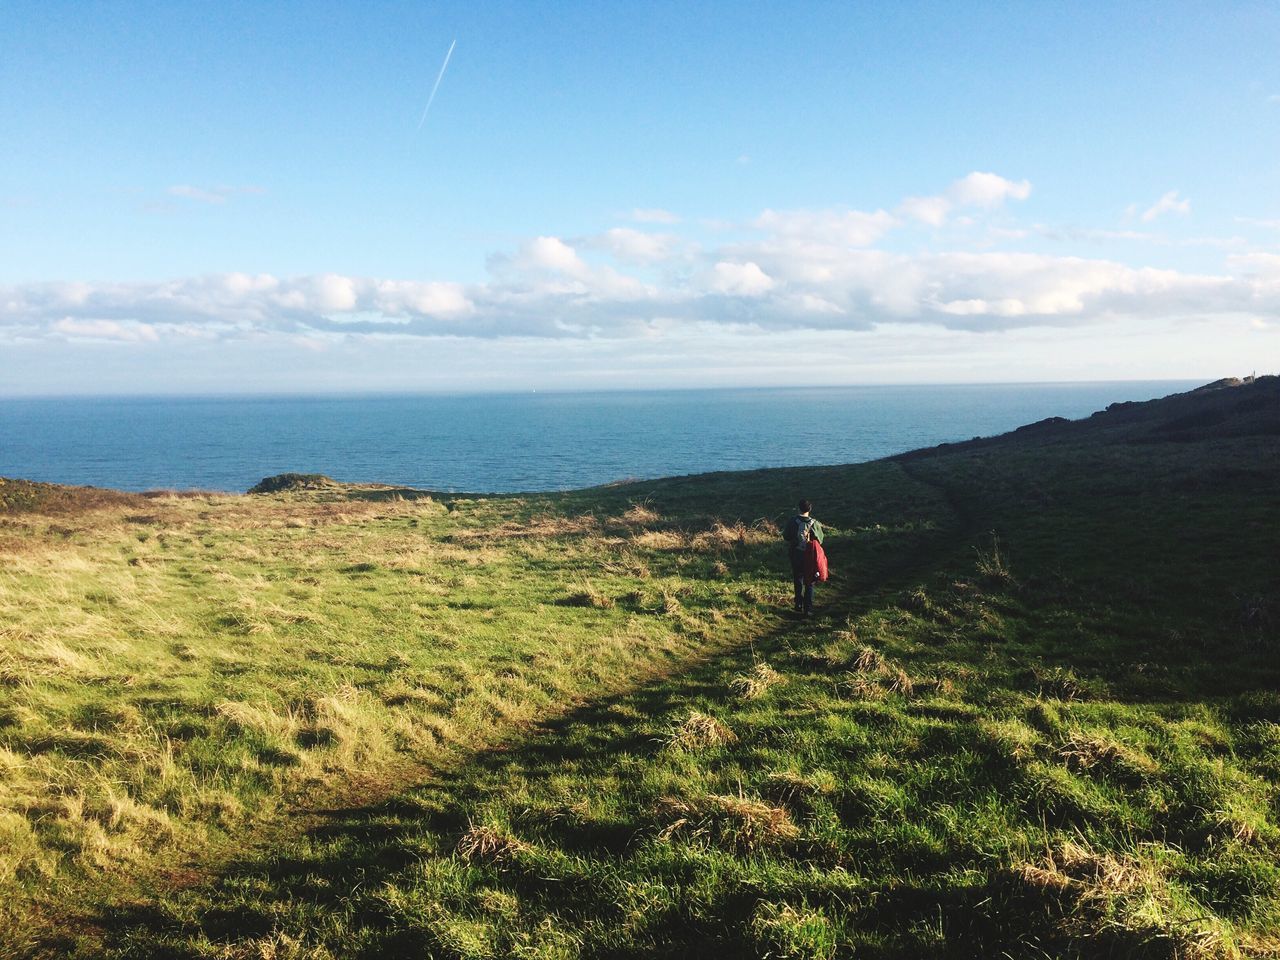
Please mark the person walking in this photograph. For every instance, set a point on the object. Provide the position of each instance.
(799, 530)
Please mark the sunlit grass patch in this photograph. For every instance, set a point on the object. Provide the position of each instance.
(176, 671)
(588, 595)
(1126, 900)
(641, 514)
(486, 844)
(758, 681)
(741, 823)
(800, 933)
(797, 790)
(1084, 750)
(698, 731)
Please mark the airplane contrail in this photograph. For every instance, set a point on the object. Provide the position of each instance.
(440, 76)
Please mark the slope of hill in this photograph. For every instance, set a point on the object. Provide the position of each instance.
(1038, 715)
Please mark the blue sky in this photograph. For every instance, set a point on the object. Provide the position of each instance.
(239, 197)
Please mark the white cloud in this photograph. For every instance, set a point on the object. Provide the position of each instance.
(739, 279)
(787, 271)
(666, 354)
(130, 332)
(779, 283)
(1100, 236)
(853, 228)
(551, 254)
(975, 190)
(636, 246)
(654, 215)
(226, 305)
(1169, 203)
(987, 190)
(930, 210)
(197, 193)
(1093, 235)
(407, 298)
(1262, 272)
(1259, 262)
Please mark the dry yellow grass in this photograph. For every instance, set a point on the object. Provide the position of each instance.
(1104, 888)
(546, 527)
(738, 822)
(868, 660)
(757, 682)
(171, 666)
(660, 540)
(641, 515)
(489, 845)
(699, 731)
(1084, 750)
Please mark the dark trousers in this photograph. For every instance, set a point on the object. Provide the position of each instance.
(804, 591)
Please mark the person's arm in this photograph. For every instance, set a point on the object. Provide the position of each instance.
(789, 531)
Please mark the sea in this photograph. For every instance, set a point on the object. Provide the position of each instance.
(503, 443)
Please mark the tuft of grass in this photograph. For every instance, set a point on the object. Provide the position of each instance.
(863, 687)
(1129, 897)
(485, 844)
(698, 731)
(736, 822)
(759, 681)
(797, 791)
(588, 596)
(1087, 750)
(868, 660)
(641, 514)
(899, 681)
(784, 930)
(1060, 683)
(992, 565)
(659, 540)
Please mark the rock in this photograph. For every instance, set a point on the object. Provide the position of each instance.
(285, 482)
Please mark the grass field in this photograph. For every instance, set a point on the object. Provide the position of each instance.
(1038, 714)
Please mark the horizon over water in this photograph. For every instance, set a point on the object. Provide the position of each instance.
(511, 442)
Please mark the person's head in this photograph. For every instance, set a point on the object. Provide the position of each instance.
(805, 506)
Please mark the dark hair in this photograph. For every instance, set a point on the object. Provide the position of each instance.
(805, 506)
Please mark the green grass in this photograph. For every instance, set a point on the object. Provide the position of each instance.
(180, 672)
(1038, 715)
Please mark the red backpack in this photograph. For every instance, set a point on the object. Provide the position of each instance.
(816, 564)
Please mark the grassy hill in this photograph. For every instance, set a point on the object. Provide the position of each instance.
(1038, 714)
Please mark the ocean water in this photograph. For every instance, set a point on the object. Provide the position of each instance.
(515, 442)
